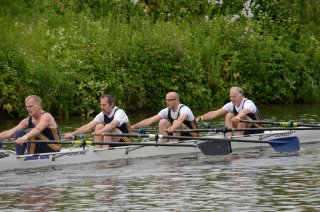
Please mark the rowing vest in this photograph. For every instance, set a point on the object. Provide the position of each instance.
(46, 134)
(123, 128)
(253, 116)
(189, 124)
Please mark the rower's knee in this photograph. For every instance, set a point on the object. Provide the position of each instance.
(20, 149)
(19, 133)
(228, 122)
(99, 126)
(164, 123)
(229, 116)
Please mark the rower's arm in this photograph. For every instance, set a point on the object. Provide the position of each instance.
(45, 121)
(83, 129)
(177, 123)
(243, 114)
(10, 133)
(146, 122)
(109, 127)
(212, 115)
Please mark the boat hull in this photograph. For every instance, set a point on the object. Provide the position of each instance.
(10, 161)
(305, 136)
(88, 155)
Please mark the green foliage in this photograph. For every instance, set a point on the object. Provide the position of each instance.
(70, 52)
(13, 74)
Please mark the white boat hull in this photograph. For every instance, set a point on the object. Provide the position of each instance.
(10, 161)
(88, 155)
(305, 136)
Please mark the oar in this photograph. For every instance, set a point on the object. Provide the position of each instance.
(89, 142)
(283, 144)
(156, 136)
(225, 129)
(143, 130)
(218, 147)
(283, 124)
(209, 146)
(286, 144)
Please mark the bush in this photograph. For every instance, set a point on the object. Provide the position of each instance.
(70, 52)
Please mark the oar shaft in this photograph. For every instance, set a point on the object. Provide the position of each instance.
(145, 130)
(79, 142)
(283, 124)
(248, 141)
(5, 142)
(212, 146)
(247, 129)
(89, 142)
(157, 136)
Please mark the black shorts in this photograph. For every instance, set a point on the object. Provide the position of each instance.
(247, 132)
(114, 145)
(40, 148)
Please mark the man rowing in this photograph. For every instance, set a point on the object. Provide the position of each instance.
(110, 120)
(239, 108)
(174, 116)
(39, 126)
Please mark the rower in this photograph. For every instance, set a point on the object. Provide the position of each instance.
(174, 116)
(110, 120)
(239, 108)
(40, 125)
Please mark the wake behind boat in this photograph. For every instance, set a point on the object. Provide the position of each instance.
(215, 144)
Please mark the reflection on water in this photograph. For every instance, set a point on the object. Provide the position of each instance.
(247, 181)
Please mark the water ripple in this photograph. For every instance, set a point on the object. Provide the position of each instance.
(245, 182)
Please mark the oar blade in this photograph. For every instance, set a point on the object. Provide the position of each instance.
(215, 147)
(285, 144)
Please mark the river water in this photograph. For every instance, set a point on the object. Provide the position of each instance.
(248, 181)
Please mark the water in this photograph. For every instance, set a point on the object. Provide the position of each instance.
(247, 181)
